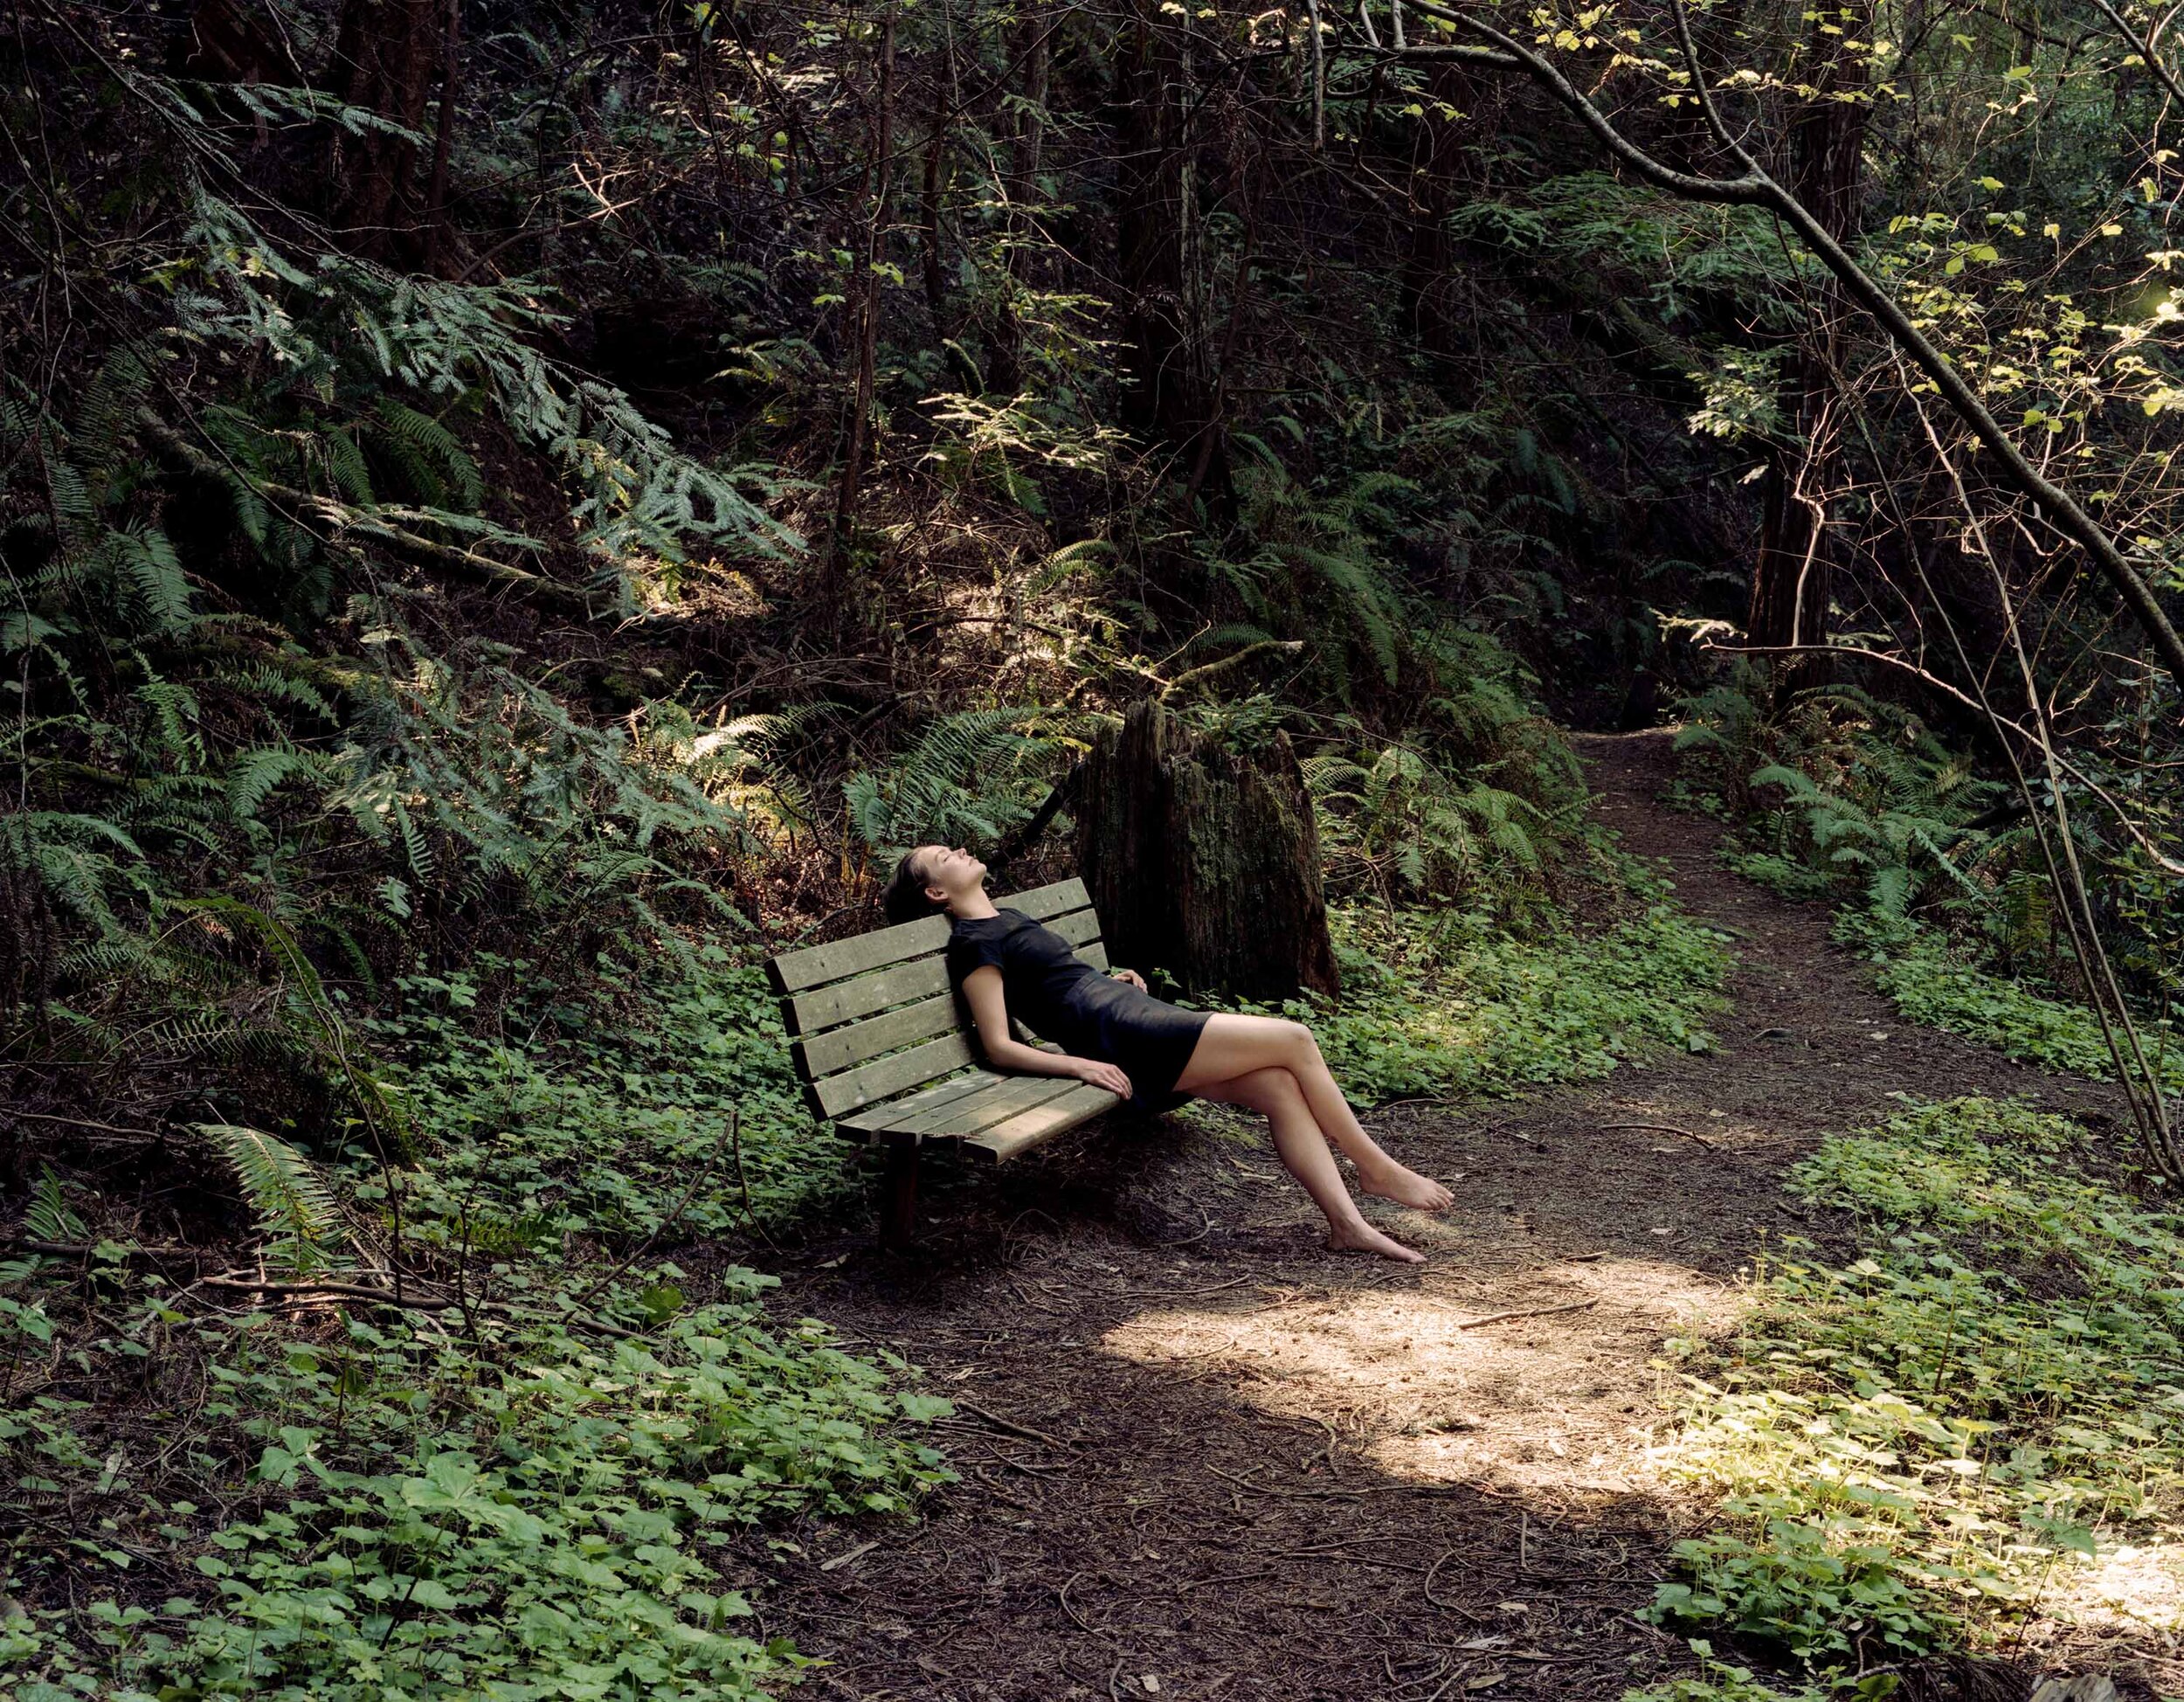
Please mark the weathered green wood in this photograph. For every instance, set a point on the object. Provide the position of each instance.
(1019, 1133)
(1004, 1098)
(1079, 927)
(841, 1049)
(815, 965)
(846, 1002)
(879, 1046)
(861, 1124)
(854, 1089)
(826, 1007)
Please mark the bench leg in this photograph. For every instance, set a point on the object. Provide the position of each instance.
(898, 1210)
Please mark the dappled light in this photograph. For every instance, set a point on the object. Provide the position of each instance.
(666, 670)
(1419, 1382)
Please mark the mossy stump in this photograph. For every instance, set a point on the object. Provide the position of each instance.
(1204, 863)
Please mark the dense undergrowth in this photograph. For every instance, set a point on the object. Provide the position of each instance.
(1943, 888)
(508, 514)
(1977, 1421)
(1444, 1003)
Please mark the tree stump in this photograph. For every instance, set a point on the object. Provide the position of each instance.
(1202, 864)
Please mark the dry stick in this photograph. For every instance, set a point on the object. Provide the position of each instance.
(86, 1122)
(1533, 1311)
(2142, 45)
(1319, 79)
(1433, 1572)
(1992, 716)
(1012, 1426)
(1662, 1129)
(344, 1290)
(1755, 188)
(84, 1250)
(2152, 1118)
(1077, 1618)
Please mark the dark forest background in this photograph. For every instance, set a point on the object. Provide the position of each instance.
(512, 511)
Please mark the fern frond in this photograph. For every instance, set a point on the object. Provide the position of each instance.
(294, 1209)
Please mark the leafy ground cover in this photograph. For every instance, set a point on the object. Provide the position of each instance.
(394, 1511)
(526, 1082)
(1448, 1002)
(1979, 1419)
(506, 1486)
(1931, 982)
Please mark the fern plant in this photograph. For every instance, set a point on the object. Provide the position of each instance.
(47, 1217)
(1846, 787)
(968, 780)
(294, 1211)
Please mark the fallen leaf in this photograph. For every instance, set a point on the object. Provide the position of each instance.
(844, 1560)
(1485, 1680)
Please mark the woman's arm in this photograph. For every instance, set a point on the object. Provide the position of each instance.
(989, 1010)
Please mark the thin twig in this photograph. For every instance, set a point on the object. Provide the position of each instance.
(1662, 1129)
(665, 1223)
(1010, 1425)
(86, 1122)
(1530, 1312)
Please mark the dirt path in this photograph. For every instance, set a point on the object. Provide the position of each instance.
(1202, 1458)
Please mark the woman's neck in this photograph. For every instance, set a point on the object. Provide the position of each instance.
(973, 906)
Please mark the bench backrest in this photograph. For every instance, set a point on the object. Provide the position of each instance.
(874, 1016)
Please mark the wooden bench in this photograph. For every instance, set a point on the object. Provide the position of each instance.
(886, 1053)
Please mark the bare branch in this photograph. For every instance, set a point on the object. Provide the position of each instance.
(1757, 188)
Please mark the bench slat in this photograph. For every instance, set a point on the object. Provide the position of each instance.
(1005, 1097)
(855, 1089)
(815, 965)
(1003, 1141)
(865, 1123)
(1078, 927)
(839, 1048)
(846, 1002)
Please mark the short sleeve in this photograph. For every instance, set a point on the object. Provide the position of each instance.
(969, 951)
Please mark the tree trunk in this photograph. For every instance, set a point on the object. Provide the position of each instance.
(1203, 864)
(1170, 396)
(386, 58)
(865, 378)
(1005, 369)
(1424, 282)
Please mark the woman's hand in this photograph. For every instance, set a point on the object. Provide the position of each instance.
(1093, 1073)
(1129, 978)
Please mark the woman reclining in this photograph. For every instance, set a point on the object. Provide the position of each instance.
(1116, 1035)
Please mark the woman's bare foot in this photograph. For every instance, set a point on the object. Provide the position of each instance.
(1362, 1237)
(1406, 1187)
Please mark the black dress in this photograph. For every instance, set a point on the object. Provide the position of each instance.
(1082, 1010)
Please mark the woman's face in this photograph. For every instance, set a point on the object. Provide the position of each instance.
(949, 871)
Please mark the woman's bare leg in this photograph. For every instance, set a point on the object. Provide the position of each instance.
(1276, 1094)
(1233, 1046)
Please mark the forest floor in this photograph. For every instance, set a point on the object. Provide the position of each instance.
(1203, 1457)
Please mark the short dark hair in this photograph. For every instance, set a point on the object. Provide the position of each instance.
(906, 899)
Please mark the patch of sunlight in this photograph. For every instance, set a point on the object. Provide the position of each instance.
(1567, 1397)
(2131, 1586)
